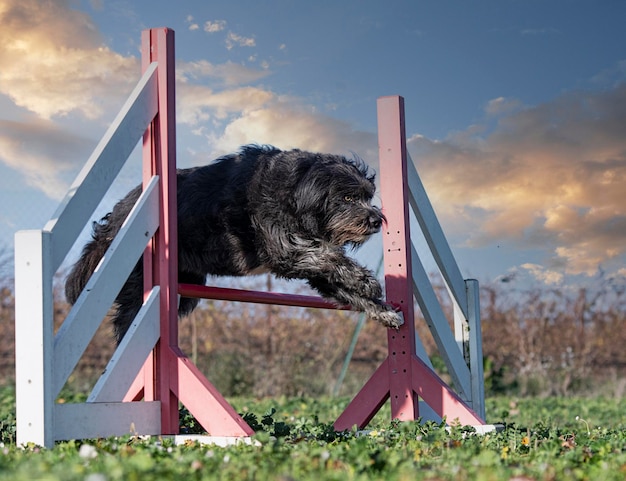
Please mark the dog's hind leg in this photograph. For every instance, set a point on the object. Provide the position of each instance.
(130, 299)
(188, 304)
(128, 302)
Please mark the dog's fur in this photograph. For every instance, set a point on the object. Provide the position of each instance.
(291, 213)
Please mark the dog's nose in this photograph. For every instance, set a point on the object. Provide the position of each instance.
(375, 221)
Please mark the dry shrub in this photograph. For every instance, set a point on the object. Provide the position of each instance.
(554, 341)
(535, 342)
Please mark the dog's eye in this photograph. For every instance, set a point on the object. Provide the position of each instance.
(348, 198)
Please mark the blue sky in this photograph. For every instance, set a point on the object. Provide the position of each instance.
(516, 110)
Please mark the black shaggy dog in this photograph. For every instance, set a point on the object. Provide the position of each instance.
(291, 213)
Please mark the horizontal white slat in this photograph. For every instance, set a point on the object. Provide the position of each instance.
(131, 354)
(103, 165)
(100, 420)
(436, 239)
(98, 295)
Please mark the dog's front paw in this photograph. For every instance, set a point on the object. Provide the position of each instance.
(391, 319)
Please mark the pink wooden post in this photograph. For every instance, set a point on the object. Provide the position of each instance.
(397, 253)
(168, 375)
(161, 265)
(393, 379)
(402, 376)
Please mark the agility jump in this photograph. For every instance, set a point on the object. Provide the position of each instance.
(148, 374)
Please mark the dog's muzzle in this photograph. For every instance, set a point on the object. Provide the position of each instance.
(375, 220)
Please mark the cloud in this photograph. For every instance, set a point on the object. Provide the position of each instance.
(502, 106)
(192, 25)
(43, 153)
(227, 74)
(54, 61)
(232, 39)
(235, 40)
(287, 123)
(529, 273)
(234, 117)
(542, 274)
(198, 104)
(611, 77)
(213, 26)
(237, 114)
(549, 176)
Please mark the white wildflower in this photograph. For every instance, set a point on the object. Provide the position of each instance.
(87, 451)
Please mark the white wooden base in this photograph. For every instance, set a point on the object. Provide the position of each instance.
(102, 420)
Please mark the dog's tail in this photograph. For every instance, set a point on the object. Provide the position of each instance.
(89, 260)
(103, 234)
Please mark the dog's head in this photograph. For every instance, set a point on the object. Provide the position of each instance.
(336, 194)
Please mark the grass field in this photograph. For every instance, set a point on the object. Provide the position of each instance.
(542, 439)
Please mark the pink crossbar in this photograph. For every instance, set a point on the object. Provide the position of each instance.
(256, 297)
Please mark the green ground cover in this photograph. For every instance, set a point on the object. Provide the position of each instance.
(542, 439)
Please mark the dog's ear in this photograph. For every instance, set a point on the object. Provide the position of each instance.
(362, 167)
(311, 194)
